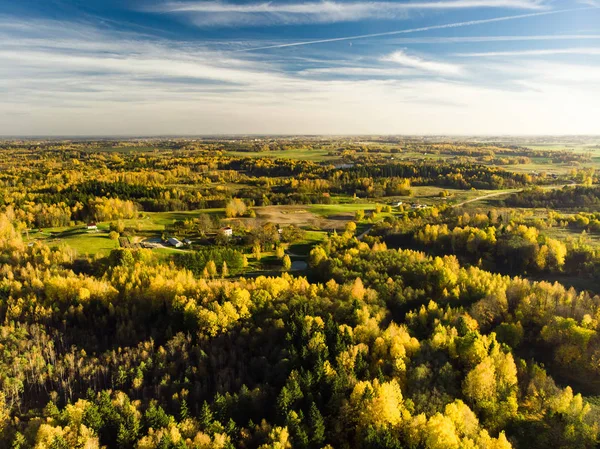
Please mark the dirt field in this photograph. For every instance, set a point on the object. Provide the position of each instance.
(299, 216)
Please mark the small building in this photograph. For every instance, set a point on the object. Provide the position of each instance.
(227, 231)
(187, 241)
(91, 226)
(175, 242)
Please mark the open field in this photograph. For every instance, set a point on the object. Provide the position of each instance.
(78, 238)
(314, 155)
(576, 147)
(315, 218)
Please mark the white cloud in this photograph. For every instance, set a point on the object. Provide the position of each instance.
(361, 72)
(480, 39)
(207, 68)
(216, 13)
(418, 63)
(567, 75)
(537, 52)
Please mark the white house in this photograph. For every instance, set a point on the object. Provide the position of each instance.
(91, 226)
(174, 242)
(227, 231)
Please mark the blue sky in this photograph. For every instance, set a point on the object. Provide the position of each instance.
(170, 67)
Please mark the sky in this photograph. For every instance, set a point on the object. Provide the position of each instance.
(335, 67)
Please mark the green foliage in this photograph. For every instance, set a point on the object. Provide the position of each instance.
(196, 261)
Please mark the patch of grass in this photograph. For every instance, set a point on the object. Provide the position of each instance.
(567, 146)
(84, 242)
(142, 149)
(303, 154)
(311, 238)
(156, 221)
(563, 234)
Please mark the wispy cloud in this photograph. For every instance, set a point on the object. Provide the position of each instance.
(537, 52)
(414, 30)
(567, 75)
(215, 13)
(415, 62)
(362, 72)
(482, 39)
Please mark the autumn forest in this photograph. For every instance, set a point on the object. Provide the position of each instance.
(299, 292)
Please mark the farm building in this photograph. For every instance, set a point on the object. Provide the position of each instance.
(91, 226)
(227, 231)
(175, 242)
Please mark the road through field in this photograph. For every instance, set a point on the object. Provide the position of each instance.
(489, 195)
(507, 192)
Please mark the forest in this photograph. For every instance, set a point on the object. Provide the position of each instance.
(298, 292)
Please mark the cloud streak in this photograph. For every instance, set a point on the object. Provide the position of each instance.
(482, 39)
(416, 30)
(414, 62)
(538, 52)
(216, 13)
(362, 72)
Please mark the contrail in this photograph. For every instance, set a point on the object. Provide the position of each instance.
(416, 30)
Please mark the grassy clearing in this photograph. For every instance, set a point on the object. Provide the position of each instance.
(156, 221)
(311, 238)
(567, 146)
(304, 154)
(92, 243)
(559, 169)
(140, 149)
(78, 238)
(564, 234)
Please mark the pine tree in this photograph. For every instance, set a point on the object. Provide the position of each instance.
(317, 426)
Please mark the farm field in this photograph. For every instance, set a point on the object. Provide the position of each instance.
(315, 155)
(78, 237)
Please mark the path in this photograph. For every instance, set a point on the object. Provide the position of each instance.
(489, 195)
(507, 192)
(361, 236)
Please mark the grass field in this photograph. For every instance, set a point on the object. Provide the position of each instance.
(303, 154)
(311, 238)
(576, 147)
(564, 234)
(141, 149)
(78, 238)
(156, 221)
